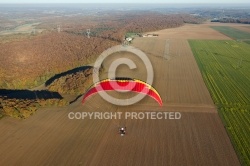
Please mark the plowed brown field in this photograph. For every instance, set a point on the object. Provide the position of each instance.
(198, 138)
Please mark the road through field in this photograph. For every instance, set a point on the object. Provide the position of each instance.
(50, 138)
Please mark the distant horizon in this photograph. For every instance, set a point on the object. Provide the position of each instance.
(124, 3)
(135, 5)
(169, 3)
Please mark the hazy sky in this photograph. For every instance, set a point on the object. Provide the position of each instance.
(124, 1)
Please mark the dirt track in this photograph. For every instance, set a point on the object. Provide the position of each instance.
(198, 138)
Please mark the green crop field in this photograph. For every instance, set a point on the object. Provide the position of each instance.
(232, 32)
(225, 67)
(248, 42)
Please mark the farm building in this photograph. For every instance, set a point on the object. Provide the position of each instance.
(150, 35)
(129, 39)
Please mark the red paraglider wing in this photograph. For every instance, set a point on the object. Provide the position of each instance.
(124, 84)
